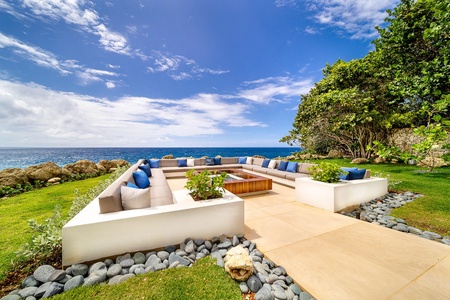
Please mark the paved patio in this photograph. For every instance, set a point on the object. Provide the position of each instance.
(336, 257)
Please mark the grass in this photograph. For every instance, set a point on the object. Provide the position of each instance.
(39, 205)
(204, 280)
(431, 212)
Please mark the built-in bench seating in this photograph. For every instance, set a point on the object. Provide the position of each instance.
(103, 228)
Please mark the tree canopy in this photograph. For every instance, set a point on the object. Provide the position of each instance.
(359, 101)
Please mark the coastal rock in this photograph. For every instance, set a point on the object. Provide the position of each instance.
(44, 172)
(82, 167)
(12, 177)
(110, 165)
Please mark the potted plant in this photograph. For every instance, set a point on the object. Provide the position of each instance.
(326, 172)
(205, 185)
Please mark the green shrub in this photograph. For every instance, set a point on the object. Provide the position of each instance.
(326, 172)
(205, 185)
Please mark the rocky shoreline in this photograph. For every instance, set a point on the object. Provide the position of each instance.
(266, 280)
(378, 212)
(51, 173)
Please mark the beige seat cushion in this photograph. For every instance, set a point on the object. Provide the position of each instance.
(133, 198)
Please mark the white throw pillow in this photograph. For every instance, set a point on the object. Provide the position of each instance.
(133, 198)
(272, 164)
(249, 160)
(190, 162)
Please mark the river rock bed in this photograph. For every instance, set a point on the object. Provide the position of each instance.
(268, 281)
(378, 212)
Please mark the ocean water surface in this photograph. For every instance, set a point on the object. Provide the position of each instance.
(25, 157)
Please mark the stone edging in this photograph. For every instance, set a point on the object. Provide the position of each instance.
(377, 212)
(268, 281)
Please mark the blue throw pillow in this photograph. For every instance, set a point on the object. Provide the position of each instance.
(209, 162)
(182, 162)
(154, 163)
(292, 167)
(265, 163)
(141, 179)
(283, 165)
(146, 169)
(357, 174)
(132, 185)
(242, 160)
(347, 176)
(217, 160)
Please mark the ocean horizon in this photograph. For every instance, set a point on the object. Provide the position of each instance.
(26, 157)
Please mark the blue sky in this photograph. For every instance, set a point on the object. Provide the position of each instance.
(172, 73)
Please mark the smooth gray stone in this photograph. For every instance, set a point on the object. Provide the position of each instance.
(170, 248)
(251, 247)
(433, 235)
(174, 264)
(271, 278)
(256, 258)
(74, 283)
(127, 263)
(244, 288)
(180, 253)
(265, 293)
(114, 280)
(65, 279)
(290, 294)
(160, 267)
(139, 270)
(147, 255)
(11, 297)
(29, 281)
(199, 242)
(28, 291)
(201, 247)
(190, 247)
(296, 289)
(259, 267)
(256, 252)
(125, 277)
(305, 296)
(54, 289)
(254, 284)
(30, 298)
(57, 275)
(163, 255)
(279, 292)
(415, 230)
(43, 273)
(79, 269)
(199, 256)
(262, 277)
(98, 266)
(152, 261)
(281, 283)
(246, 243)
(114, 270)
(208, 245)
(122, 257)
(183, 261)
(41, 290)
(96, 277)
(225, 245)
(218, 258)
(108, 262)
(289, 280)
(235, 241)
(134, 267)
(139, 258)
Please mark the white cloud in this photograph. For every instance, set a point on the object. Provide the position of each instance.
(37, 55)
(356, 17)
(55, 118)
(179, 67)
(271, 89)
(311, 30)
(47, 59)
(79, 13)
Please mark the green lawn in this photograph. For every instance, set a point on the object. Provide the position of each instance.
(431, 212)
(39, 205)
(204, 280)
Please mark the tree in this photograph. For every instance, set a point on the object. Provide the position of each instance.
(416, 52)
(359, 101)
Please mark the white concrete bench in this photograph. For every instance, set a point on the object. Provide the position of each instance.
(337, 196)
(91, 236)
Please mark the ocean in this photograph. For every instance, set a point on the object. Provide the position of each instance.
(25, 157)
